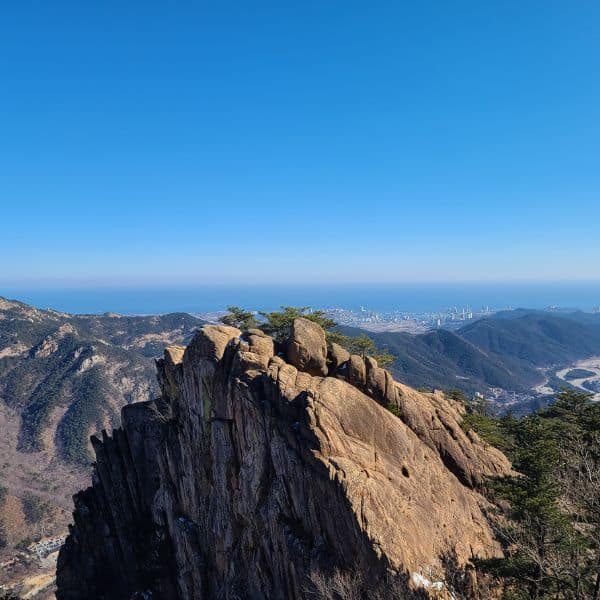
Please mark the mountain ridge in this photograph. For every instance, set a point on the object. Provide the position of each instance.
(263, 464)
(509, 350)
(62, 378)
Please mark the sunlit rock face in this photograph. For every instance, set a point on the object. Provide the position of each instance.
(248, 475)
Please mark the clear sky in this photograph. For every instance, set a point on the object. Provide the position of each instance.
(197, 142)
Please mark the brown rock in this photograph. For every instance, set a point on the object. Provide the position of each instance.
(245, 478)
(307, 348)
(174, 354)
(210, 342)
(391, 390)
(260, 350)
(337, 356)
(375, 379)
(437, 422)
(357, 371)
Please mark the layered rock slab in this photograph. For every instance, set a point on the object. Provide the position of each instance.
(248, 475)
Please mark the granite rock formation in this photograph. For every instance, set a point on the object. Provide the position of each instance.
(248, 474)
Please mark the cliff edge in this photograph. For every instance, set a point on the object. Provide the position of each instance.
(257, 468)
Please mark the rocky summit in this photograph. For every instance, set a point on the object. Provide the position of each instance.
(262, 465)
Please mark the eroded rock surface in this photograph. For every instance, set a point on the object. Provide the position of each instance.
(307, 348)
(248, 474)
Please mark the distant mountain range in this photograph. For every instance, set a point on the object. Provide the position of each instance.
(64, 376)
(68, 375)
(509, 350)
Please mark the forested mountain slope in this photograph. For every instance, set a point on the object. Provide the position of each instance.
(66, 375)
(509, 350)
(63, 377)
(541, 339)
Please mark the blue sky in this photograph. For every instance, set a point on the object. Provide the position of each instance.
(198, 142)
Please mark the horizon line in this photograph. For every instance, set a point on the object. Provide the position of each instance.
(82, 285)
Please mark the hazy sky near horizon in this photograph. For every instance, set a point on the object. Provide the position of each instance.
(154, 142)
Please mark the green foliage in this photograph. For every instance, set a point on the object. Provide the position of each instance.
(3, 534)
(242, 319)
(550, 526)
(384, 358)
(35, 383)
(538, 338)
(394, 409)
(90, 393)
(278, 324)
(436, 358)
(25, 542)
(334, 336)
(457, 395)
(479, 418)
(364, 346)
(488, 428)
(51, 372)
(495, 352)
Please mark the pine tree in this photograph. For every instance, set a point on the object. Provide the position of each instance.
(550, 530)
(237, 317)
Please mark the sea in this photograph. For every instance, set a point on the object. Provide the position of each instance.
(385, 298)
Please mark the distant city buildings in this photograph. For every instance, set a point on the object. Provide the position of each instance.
(395, 320)
(412, 322)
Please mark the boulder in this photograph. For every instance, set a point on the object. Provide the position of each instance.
(307, 348)
(210, 342)
(337, 356)
(260, 349)
(357, 371)
(375, 379)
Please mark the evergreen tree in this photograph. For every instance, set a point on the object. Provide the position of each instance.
(278, 324)
(550, 527)
(364, 346)
(237, 317)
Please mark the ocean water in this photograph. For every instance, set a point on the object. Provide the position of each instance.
(411, 298)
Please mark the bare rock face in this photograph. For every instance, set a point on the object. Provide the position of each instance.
(357, 371)
(307, 348)
(338, 356)
(248, 474)
(436, 420)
